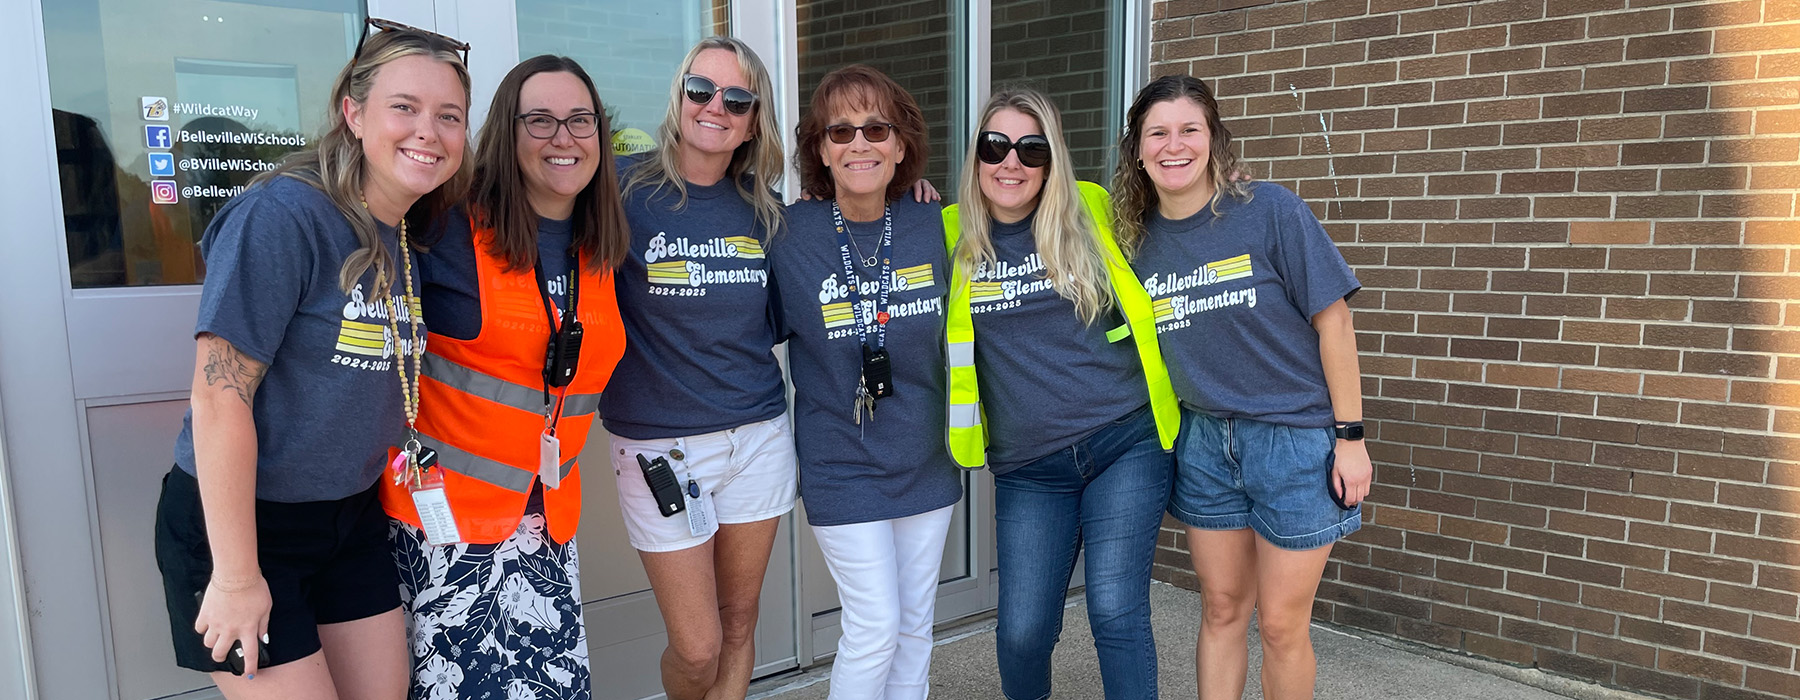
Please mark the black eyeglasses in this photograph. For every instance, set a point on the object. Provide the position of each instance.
(844, 133)
(388, 25)
(544, 126)
(1033, 150)
(700, 91)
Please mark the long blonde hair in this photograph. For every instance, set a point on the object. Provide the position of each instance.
(760, 157)
(336, 165)
(1064, 231)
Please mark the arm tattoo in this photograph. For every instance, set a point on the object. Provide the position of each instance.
(227, 368)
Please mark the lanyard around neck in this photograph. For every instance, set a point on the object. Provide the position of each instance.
(879, 317)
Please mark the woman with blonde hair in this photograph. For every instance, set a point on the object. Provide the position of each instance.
(701, 447)
(272, 545)
(1052, 346)
(1251, 306)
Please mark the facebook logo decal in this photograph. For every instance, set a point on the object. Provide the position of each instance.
(162, 165)
(157, 136)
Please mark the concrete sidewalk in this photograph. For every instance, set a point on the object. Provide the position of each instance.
(1350, 667)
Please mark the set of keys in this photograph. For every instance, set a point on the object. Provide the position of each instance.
(412, 463)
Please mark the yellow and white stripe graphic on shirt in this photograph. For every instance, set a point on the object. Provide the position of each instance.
(746, 246)
(674, 272)
(1229, 268)
(986, 291)
(1164, 309)
(359, 338)
(838, 315)
(916, 277)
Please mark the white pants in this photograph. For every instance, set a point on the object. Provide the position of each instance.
(887, 574)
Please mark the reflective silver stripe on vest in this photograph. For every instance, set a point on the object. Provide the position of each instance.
(965, 415)
(503, 392)
(962, 354)
(580, 405)
(485, 386)
(478, 467)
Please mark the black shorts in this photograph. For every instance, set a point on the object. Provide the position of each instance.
(325, 562)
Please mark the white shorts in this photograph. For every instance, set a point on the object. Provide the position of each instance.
(744, 474)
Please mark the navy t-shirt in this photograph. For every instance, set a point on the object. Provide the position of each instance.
(452, 296)
(694, 293)
(1048, 379)
(895, 465)
(1234, 297)
(329, 406)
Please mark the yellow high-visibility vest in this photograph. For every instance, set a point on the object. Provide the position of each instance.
(967, 435)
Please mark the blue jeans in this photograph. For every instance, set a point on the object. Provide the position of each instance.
(1109, 491)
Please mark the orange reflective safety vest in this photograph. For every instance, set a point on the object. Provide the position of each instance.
(481, 403)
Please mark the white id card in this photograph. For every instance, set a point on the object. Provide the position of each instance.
(435, 516)
(550, 460)
(699, 509)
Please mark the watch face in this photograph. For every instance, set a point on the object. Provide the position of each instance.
(1350, 432)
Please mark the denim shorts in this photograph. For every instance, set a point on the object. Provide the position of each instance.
(1233, 473)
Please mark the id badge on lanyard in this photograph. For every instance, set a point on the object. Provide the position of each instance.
(426, 483)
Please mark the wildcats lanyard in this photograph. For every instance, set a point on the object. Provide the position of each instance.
(879, 322)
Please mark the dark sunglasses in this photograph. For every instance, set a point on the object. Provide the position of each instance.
(544, 126)
(700, 91)
(388, 25)
(1033, 150)
(845, 133)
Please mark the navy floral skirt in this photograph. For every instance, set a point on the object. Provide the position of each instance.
(494, 621)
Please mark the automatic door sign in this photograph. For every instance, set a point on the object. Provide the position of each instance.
(164, 192)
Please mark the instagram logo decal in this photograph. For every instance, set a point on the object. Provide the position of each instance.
(164, 192)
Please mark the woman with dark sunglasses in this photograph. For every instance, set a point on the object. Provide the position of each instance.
(698, 395)
(525, 335)
(860, 276)
(1052, 344)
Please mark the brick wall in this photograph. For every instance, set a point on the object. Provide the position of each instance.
(1062, 49)
(909, 40)
(1575, 224)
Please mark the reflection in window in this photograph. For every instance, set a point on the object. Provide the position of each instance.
(164, 110)
(630, 48)
(915, 43)
(1061, 48)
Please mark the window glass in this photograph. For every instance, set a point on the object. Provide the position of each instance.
(164, 110)
(1063, 49)
(630, 48)
(918, 44)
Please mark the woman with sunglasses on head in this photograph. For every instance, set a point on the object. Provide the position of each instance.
(1077, 407)
(524, 337)
(860, 278)
(698, 395)
(268, 531)
(1251, 307)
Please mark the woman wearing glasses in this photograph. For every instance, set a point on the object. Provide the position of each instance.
(269, 531)
(1079, 414)
(861, 275)
(698, 394)
(1251, 296)
(522, 273)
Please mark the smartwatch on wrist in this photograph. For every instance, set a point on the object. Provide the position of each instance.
(1351, 430)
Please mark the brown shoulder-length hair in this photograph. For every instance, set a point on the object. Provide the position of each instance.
(1133, 194)
(498, 198)
(859, 86)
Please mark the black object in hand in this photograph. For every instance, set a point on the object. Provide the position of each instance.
(234, 659)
